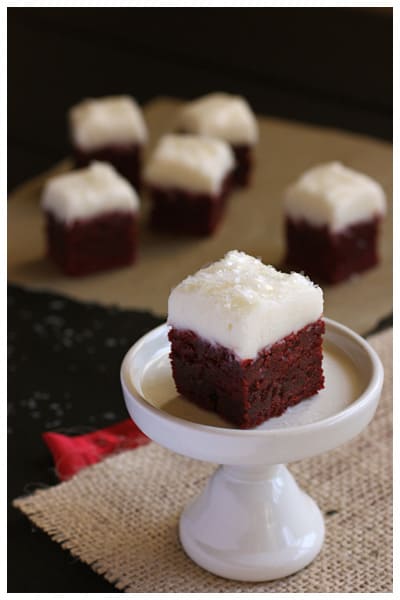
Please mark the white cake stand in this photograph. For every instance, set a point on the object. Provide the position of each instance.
(252, 522)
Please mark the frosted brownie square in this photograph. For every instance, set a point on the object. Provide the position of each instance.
(226, 117)
(91, 220)
(110, 129)
(332, 217)
(246, 340)
(189, 179)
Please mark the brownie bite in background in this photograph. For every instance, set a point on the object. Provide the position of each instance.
(332, 216)
(189, 178)
(91, 220)
(110, 129)
(228, 118)
(246, 340)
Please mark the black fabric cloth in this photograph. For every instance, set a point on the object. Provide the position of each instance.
(63, 375)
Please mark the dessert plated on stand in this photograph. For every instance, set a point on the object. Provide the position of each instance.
(91, 220)
(252, 522)
(333, 214)
(110, 129)
(226, 117)
(246, 340)
(189, 178)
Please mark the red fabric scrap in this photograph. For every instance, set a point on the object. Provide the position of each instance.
(73, 453)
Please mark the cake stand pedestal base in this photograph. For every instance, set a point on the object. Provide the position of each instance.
(252, 523)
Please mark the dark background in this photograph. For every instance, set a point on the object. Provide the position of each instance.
(325, 66)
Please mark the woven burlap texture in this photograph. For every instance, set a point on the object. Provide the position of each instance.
(121, 516)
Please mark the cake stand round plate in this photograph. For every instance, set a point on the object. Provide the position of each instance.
(252, 522)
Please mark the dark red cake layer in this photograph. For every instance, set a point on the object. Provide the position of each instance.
(331, 257)
(244, 164)
(127, 160)
(96, 244)
(248, 392)
(185, 212)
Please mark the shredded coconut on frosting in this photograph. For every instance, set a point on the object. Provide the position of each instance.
(243, 304)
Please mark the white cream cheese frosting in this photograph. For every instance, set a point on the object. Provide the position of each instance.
(334, 195)
(190, 162)
(87, 193)
(244, 305)
(98, 122)
(219, 115)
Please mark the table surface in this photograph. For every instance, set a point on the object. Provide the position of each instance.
(326, 72)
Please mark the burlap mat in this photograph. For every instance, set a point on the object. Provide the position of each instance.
(120, 516)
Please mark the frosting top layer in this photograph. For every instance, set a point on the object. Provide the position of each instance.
(97, 122)
(224, 116)
(87, 193)
(244, 305)
(190, 162)
(334, 195)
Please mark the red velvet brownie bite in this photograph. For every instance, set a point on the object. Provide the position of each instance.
(228, 118)
(246, 339)
(332, 217)
(189, 178)
(110, 129)
(91, 220)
